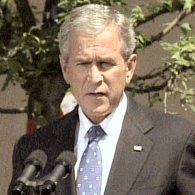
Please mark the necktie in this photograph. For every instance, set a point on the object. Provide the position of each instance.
(90, 169)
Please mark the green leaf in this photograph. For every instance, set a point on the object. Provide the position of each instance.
(186, 27)
(188, 4)
(192, 107)
(137, 15)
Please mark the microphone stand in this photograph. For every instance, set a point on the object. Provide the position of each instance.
(48, 188)
(67, 181)
(30, 188)
(43, 186)
(48, 184)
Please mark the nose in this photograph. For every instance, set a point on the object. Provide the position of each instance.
(94, 74)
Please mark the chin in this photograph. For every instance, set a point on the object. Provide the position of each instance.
(102, 112)
(97, 114)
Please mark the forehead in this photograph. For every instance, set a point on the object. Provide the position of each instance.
(108, 39)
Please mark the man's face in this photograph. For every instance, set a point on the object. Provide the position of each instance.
(97, 72)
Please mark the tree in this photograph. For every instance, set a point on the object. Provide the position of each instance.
(29, 54)
(176, 75)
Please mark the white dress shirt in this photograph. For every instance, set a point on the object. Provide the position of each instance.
(112, 126)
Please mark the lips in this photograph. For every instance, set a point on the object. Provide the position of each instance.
(97, 94)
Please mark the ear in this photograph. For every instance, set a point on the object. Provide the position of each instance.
(64, 65)
(131, 65)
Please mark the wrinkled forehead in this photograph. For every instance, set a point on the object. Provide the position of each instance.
(108, 38)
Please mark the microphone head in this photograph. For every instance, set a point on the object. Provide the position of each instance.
(66, 158)
(37, 158)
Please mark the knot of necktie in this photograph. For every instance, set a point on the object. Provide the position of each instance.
(95, 133)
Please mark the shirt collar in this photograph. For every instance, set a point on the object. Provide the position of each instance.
(114, 120)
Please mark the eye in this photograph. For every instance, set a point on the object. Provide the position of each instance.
(106, 65)
(83, 63)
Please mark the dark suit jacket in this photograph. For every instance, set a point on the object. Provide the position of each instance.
(164, 166)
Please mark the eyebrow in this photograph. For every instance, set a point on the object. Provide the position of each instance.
(82, 59)
(87, 58)
(107, 59)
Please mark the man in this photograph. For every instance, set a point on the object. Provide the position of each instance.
(143, 152)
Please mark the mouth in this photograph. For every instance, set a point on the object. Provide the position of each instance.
(97, 94)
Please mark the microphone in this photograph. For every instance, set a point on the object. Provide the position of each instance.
(33, 165)
(62, 168)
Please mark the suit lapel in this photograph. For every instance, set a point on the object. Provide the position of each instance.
(128, 159)
(66, 131)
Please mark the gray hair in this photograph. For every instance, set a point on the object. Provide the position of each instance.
(93, 19)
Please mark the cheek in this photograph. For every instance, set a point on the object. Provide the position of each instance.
(116, 86)
(117, 78)
(76, 83)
